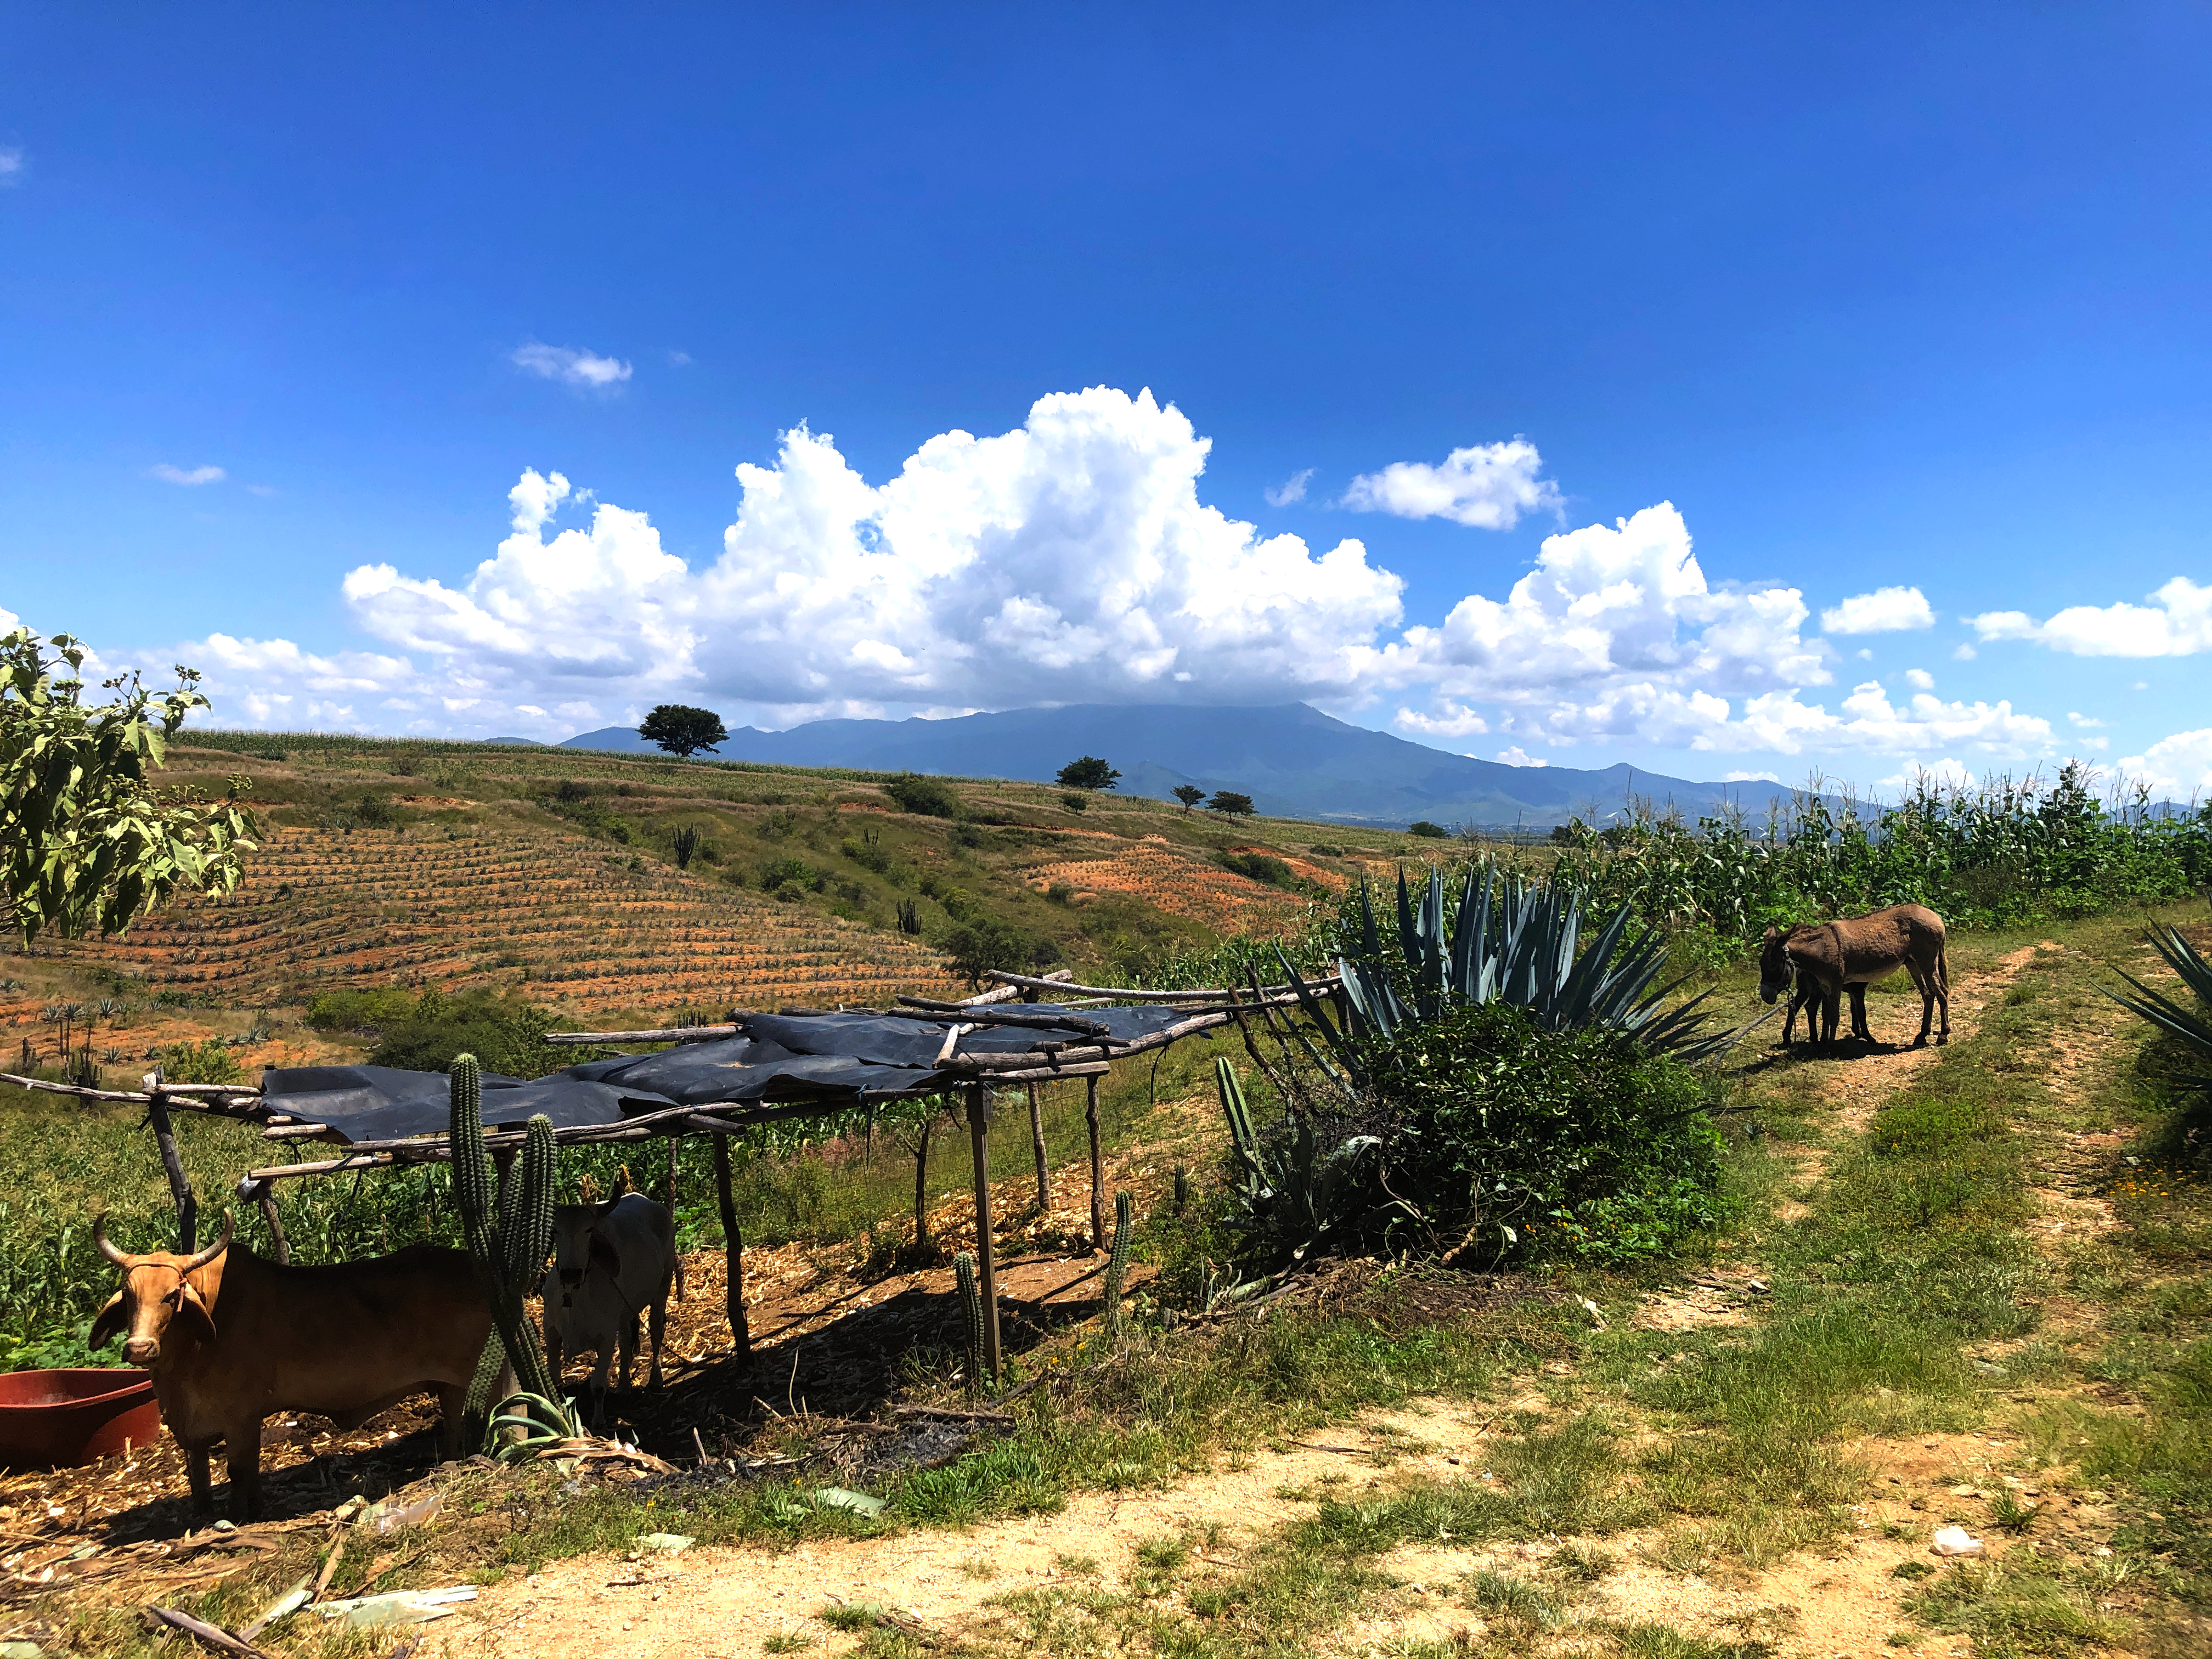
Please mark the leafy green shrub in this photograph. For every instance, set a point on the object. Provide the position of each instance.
(792, 877)
(978, 946)
(1260, 868)
(503, 1032)
(359, 1011)
(928, 798)
(199, 1062)
(1492, 1124)
(1427, 831)
(374, 812)
(1479, 1130)
(1075, 802)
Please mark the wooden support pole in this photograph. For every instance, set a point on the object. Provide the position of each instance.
(671, 1214)
(1097, 1164)
(1037, 1150)
(733, 1249)
(979, 1136)
(181, 1185)
(264, 1194)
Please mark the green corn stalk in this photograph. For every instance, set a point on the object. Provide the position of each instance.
(508, 1248)
(1117, 1263)
(971, 1304)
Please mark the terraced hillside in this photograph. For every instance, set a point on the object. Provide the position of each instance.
(327, 908)
(609, 886)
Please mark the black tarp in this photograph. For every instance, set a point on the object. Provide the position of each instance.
(837, 1059)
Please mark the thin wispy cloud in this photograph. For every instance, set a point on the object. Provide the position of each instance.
(570, 366)
(13, 164)
(1488, 486)
(190, 476)
(679, 360)
(1292, 488)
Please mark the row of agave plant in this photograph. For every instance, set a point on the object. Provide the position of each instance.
(1488, 1068)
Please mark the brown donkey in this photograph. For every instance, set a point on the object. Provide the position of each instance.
(1851, 954)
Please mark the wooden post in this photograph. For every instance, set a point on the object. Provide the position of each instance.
(264, 1194)
(672, 1212)
(979, 1136)
(180, 1187)
(1037, 1147)
(921, 1179)
(1097, 1164)
(733, 1249)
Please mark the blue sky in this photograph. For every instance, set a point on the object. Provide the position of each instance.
(1901, 325)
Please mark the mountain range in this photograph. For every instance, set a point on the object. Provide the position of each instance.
(1292, 760)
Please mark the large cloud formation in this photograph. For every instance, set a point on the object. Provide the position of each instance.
(1071, 560)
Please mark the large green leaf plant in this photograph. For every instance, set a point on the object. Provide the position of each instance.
(88, 842)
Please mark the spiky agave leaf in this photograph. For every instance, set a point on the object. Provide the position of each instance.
(2191, 1026)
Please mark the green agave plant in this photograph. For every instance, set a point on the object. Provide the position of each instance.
(2191, 1026)
(1516, 941)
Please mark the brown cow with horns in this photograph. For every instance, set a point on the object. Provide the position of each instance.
(230, 1338)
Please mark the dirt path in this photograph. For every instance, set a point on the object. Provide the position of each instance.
(730, 1602)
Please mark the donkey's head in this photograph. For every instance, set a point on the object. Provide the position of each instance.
(1774, 965)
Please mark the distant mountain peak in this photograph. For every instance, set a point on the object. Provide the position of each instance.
(1292, 759)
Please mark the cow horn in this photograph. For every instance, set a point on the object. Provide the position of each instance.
(99, 1238)
(214, 1249)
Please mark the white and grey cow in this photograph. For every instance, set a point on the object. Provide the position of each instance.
(610, 1261)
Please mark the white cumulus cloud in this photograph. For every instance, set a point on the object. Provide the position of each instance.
(1884, 611)
(187, 475)
(1516, 756)
(1920, 679)
(2179, 624)
(570, 366)
(1488, 486)
(2179, 767)
(1071, 559)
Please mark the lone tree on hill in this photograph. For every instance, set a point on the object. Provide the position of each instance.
(682, 730)
(1189, 794)
(1088, 773)
(87, 844)
(1229, 803)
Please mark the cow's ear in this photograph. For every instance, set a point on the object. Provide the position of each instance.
(195, 1312)
(112, 1322)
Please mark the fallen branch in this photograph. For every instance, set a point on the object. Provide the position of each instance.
(221, 1640)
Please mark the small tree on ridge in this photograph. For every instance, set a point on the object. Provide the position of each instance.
(684, 732)
(1189, 794)
(1088, 773)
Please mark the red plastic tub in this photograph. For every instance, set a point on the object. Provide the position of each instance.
(58, 1419)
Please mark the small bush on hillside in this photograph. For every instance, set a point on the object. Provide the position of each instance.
(423, 1033)
(1259, 866)
(978, 946)
(199, 1062)
(1427, 831)
(928, 798)
(789, 879)
(374, 812)
(1075, 803)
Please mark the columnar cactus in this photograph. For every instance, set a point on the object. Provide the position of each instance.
(971, 1305)
(509, 1249)
(1117, 1263)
